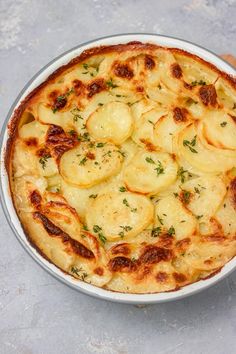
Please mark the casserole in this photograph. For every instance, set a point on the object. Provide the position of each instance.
(8, 207)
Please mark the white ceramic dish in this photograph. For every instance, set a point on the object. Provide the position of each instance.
(7, 201)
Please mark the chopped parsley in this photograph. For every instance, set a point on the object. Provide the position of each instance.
(190, 144)
(223, 124)
(85, 227)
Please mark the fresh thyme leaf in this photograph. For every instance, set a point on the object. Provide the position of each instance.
(159, 169)
(171, 231)
(183, 174)
(102, 238)
(85, 66)
(223, 124)
(185, 196)
(97, 228)
(151, 122)
(43, 160)
(99, 145)
(122, 189)
(83, 161)
(76, 114)
(79, 272)
(200, 82)
(121, 152)
(150, 160)
(84, 137)
(160, 220)
(156, 231)
(85, 227)
(93, 196)
(199, 217)
(111, 84)
(190, 144)
(125, 202)
(197, 190)
(100, 104)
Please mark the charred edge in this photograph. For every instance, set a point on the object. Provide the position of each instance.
(154, 254)
(121, 249)
(35, 199)
(208, 96)
(96, 87)
(149, 62)
(78, 86)
(124, 71)
(233, 191)
(180, 114)
(99, 271)
(176, 71)
(54, 230)
(123, 264)
(161, 277)
(179, 277)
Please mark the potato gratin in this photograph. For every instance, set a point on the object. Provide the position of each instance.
(122, 168)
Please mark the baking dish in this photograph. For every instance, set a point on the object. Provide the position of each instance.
(6, 198)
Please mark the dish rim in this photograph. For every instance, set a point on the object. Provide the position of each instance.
(6, 199)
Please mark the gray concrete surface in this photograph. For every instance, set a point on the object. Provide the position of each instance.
(38, 314)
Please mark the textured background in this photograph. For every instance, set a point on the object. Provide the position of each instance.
(38, 314)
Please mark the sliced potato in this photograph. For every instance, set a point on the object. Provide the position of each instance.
(226, 215)
(112, 122)
(206, 194)
(173, 218)
(33, 130)
(164, 131)
(119, 215)
(85, 166)
(219, 129)
(198, 154)
(150, 172)
(143, 133)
